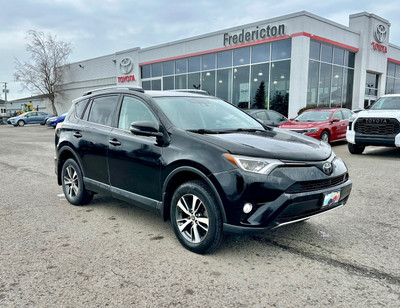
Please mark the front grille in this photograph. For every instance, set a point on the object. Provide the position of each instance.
(377, 126)
(306, 186)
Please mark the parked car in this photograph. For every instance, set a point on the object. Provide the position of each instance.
(379, 125)
(53, 121)
(328, 125)
(268, 117)
(201, 162)
(32, 117)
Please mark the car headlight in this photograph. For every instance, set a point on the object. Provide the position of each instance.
(311, 130)
(253, 164)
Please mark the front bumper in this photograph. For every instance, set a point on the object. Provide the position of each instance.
(289, 208)
(288, 194)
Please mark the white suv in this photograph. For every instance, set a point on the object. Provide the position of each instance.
(379, 125)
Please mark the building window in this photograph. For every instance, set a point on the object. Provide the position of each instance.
(393, 78)
(330, 76)
(241, 56)
(241, 90)
(194, 64)
(240, 76)
(168, 68)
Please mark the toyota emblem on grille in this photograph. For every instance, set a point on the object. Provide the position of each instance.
(327, 168)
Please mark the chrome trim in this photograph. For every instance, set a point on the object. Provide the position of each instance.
(311, 216)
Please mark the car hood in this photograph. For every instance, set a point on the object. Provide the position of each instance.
(378, 113)
(301, 125)
(276, 144)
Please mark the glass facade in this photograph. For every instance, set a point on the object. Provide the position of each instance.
(330, 76)
(249, 77)
(393, 78)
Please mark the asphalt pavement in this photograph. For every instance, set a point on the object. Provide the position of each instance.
(113, 254)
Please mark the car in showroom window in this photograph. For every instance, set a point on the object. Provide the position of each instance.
(198, 161)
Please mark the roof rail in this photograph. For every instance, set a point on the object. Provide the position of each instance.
(131, 88)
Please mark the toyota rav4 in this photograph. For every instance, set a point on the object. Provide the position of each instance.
(197, 160)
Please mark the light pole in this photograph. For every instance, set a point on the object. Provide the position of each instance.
(5, 91)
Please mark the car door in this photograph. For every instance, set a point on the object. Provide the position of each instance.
(134, 161)
(339, 128)
(31, 118)
(91, 137)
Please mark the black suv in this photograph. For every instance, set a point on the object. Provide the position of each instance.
(197, 160)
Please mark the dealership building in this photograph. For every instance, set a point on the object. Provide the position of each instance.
(284, 63)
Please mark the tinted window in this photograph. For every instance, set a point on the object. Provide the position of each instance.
(79, 107)
(133, 110)
(102, 110)
(260, 115)
(274, 116)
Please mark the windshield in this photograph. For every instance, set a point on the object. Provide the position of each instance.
(387, 103)
(203, 113)
(314, 116)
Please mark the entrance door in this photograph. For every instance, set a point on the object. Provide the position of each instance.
(371, 89)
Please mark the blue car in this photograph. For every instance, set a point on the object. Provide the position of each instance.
(53, 121)
(33, 117)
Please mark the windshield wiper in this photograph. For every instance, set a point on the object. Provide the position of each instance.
(249, 130)
(206, 131)
(225, 131)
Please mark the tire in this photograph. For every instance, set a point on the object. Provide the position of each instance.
(196, 217)
(325, 136)
(72, 184)
(21, 123)
(355, 149)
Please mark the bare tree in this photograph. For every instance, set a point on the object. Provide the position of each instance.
(44, 71)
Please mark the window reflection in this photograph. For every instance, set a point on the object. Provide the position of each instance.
(224, 84)
(240, 94)
(259, 86)
(241, 56)
(279, 87)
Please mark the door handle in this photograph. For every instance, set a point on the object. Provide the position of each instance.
(114, 142)
(77, 135)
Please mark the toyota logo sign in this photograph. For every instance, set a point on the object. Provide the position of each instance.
(126, 65)
(380, 33)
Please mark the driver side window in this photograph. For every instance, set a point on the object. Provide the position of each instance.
(133, 110)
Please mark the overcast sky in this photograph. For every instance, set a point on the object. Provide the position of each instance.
(100, 27)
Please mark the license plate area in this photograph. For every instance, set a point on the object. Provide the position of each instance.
(331, 199)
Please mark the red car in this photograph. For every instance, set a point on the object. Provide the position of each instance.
(328, 125)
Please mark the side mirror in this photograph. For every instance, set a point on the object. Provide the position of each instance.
(335, 120)
(145, 128)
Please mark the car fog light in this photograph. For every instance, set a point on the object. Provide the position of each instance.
(247, 208)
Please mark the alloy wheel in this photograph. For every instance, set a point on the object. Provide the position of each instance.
(192, 218)
(71, 181)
